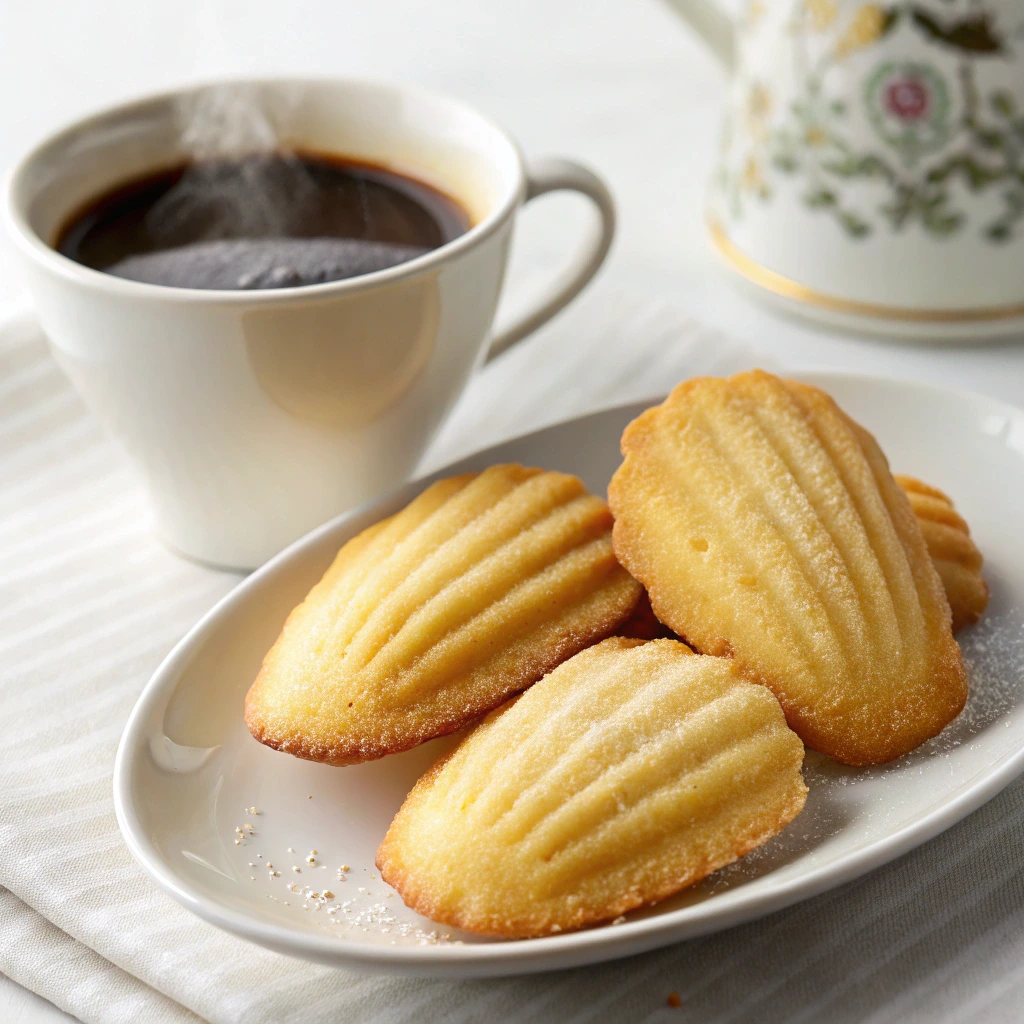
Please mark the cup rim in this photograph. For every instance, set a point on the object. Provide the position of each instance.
(41, 252)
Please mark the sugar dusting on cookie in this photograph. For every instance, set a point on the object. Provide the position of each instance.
(994, 653)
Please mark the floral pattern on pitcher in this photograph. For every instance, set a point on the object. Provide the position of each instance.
(882, 115)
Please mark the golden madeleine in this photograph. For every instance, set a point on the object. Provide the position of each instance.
(954, 553)
(630, 772)
(430, 618)
(765, 525)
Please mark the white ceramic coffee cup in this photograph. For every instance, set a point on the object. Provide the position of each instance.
(253, 416)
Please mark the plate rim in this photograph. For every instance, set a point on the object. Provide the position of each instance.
(549, 952)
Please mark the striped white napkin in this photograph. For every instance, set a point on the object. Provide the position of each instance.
(90, 604)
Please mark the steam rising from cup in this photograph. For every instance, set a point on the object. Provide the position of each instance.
(231, 188)
(246, 211)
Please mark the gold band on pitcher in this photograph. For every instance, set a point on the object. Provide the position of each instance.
(789, 289)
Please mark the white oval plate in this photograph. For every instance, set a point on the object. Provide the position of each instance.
(187, 770)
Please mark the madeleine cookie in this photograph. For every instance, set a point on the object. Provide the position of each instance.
(766, 525)
(954, 553)
(430, 618)
(630, 772)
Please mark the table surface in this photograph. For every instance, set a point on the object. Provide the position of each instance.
(619, 84)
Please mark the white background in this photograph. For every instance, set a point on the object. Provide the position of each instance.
(619, 84)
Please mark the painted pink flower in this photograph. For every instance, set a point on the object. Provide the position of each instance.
(907, 98)
(908, 104)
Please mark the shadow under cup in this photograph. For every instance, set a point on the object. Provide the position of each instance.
(253, 416)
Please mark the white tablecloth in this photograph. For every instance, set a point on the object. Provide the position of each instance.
(90, 605)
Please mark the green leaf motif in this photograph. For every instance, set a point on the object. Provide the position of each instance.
(846, 168)
(977, 176)
(990, 138)
(941, 224)
(889, 20)
(820, 198)
(852, 166)
(854, 225)
(1003, 103)
(898, 211)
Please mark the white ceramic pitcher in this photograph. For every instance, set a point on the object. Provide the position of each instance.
(872, 164)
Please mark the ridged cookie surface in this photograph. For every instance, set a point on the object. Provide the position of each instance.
(434, 616)
(630, 772)
(766, 525)
(954, 553)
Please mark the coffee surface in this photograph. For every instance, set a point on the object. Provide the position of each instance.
(263, 221)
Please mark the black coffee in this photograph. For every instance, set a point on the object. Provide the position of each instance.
(268, 221)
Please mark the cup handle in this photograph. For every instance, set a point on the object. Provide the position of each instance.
(553, 174)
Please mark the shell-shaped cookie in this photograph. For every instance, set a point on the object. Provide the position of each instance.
(765, 524)
(435, 616)
(953, 551)
(630, 772)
